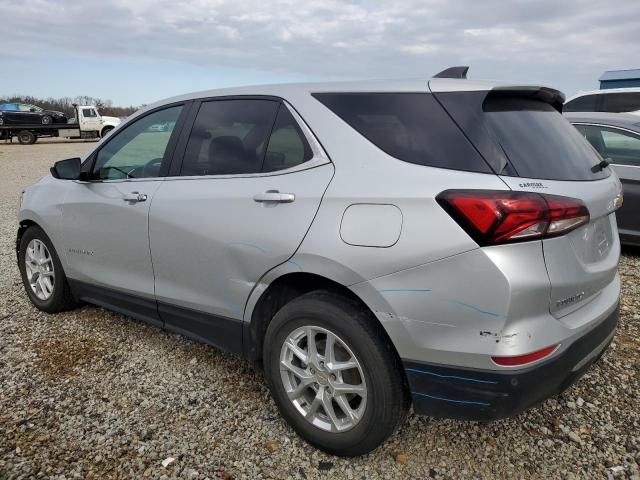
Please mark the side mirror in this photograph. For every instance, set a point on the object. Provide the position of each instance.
(32, 109)
(67, 169)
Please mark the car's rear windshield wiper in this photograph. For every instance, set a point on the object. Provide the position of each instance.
(601, 166)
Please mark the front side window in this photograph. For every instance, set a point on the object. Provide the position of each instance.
(229, 137)
(23, 107)
(136, 151)
(622, 148)
(89, 113)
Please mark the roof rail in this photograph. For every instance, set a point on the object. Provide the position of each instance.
(453, 72)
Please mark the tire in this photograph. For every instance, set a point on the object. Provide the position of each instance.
(105, 131)
(60, 297)
(46, 120)
(386, 399)
(25, 137)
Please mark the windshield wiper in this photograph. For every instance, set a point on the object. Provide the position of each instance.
(601, 166)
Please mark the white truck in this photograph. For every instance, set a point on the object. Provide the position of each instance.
(88, 123)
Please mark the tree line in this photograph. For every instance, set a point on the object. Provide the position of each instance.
(65, 104)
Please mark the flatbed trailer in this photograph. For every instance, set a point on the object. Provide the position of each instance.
(90, 124)
(29, 134)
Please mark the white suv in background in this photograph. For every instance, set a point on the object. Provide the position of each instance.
(614, 100)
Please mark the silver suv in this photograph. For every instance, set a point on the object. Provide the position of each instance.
(446, 243)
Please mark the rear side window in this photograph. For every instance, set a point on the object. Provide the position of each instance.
(411, 127)
(621, 102)
(287, 145)
(523, 137)
(229, 137)
(586, 103)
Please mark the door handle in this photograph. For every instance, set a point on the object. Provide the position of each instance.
(135, 197)
(274, 196)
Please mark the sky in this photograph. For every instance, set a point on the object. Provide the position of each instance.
(140, 51)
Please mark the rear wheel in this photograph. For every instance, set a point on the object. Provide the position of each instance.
(333, 374)
(42, 274)
(25, 137)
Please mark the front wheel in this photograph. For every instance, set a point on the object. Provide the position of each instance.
(42, 274)
(105, 131)
(333, 374)
(46, 120)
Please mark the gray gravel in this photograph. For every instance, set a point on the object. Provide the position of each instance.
(92, 394)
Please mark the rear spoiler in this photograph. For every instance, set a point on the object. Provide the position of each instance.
(553, 97)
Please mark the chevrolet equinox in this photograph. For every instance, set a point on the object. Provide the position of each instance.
(447, 244)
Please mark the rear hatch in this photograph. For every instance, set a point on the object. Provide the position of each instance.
(521, 134)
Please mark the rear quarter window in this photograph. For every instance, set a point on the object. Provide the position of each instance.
(411, 127)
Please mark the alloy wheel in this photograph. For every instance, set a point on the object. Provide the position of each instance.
(39, 269)
(323, 379)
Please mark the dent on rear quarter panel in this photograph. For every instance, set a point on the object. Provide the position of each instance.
(480, 303)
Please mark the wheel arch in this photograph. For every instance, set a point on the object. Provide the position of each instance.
(282, 290)
(105, 130)
(23, 226)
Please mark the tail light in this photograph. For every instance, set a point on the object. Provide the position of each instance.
(493, 217)
(520, 360)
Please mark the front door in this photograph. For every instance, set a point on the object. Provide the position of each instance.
(106, 237)
(89, 119)
(248, 189)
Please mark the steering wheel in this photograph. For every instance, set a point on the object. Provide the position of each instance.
(152, 168)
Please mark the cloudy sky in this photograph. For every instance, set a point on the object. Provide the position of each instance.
(138, 51)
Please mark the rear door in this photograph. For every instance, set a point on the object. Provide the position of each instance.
(534, 148)
(240, 202)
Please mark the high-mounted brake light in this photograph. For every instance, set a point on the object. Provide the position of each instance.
(519, 360)
(493, 217)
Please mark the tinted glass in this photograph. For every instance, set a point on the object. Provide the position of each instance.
(586, 103)
(538, 141)
(137, 150)
(229, 137)
(621, 102)
(622, 148)
(89, 112)
(287, 145)
(411, 127)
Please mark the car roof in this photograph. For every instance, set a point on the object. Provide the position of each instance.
(624, 120)
(358, 86)
(604, 91)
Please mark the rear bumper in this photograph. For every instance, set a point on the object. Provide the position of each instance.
(473, 394)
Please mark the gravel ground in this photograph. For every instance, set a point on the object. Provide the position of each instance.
(92, 394)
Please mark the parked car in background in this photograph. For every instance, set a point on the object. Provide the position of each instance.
(613, 100)
(25, 114)
(616, 137)
(370, 244)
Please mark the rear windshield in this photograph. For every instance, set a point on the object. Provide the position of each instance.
(523, 137)
(411, 127)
